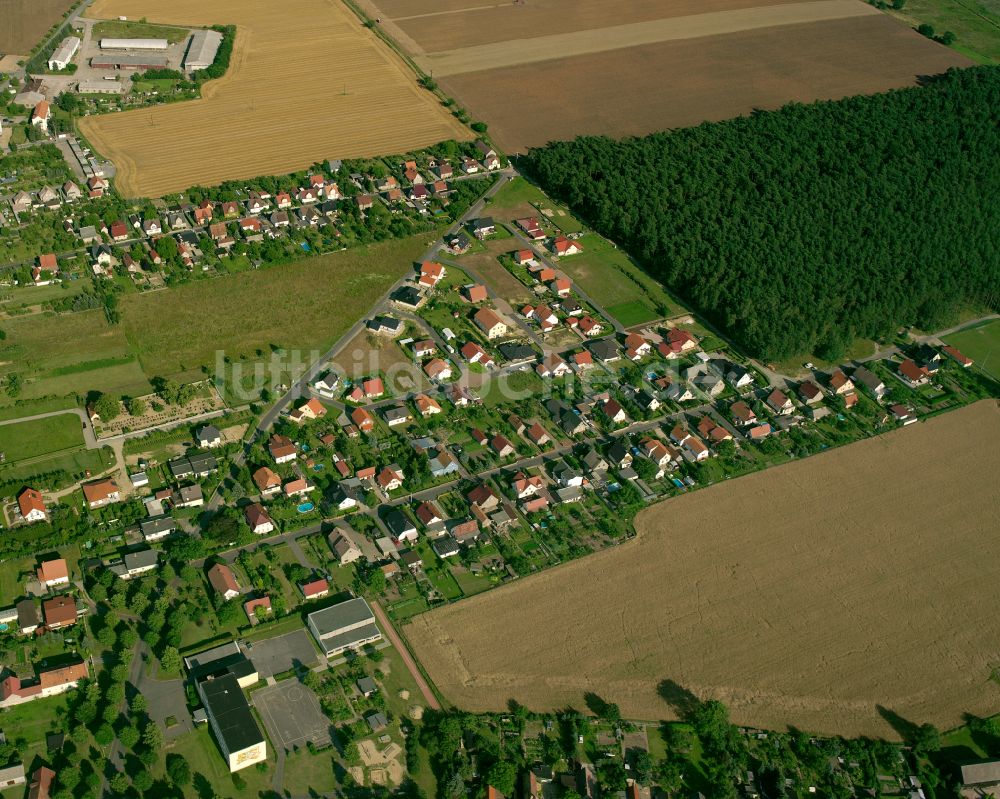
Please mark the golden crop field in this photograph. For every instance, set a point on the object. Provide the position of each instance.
(809, 595)
(306, 82)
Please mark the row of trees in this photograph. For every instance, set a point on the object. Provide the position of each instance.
(800, 229)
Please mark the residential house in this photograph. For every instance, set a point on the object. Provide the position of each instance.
(431, 273)
(31, 506)
(742, 413)
(502, 446)
(222, 579)
(364, 421)
(810, 392)
(636, 347)
(489, 156)
(605, 350)
(957, 356)
(426, 406)
(297, 487)
(307, 411)
(913, 375)
(100, 493)
(613, 410)
(870, 381)
(563, 246)
(390, 478)
(491, 324)
(840, 383)
(481, 228)
(437, 369)
(53, 573)
(590, 327)
(397, 415)
(345, 550)
(258, 519)
(475, 292)
(208, 437)
(538, 435)
(473, 353)
(429, 515)
(531, 228)
(282, 449)
(399, 525)
(315, 589)
(60, 612)
(778, 402)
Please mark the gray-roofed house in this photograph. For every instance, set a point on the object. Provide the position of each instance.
(346, 625)
(208, 436)
(604, 350)
(156, 527)
(28, 617)
(135, 564)
(445, 547)
(986, 772)
(366, 686)
(377, 721)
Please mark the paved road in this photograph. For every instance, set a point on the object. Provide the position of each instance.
(404, 653)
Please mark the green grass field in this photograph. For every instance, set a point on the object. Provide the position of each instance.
(608, 275)
(43, 436)
(635, 312)
(517, 192)
(982, 344)
(975, 23)
(296, 307)
(128, 29)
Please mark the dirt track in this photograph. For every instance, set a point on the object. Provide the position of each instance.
(808, 595)
(306, 82)
(676, 84)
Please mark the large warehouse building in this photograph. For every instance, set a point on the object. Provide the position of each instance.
(133, 44)
(347, 625)
(64, 53)
(129, 61)
(202, 49)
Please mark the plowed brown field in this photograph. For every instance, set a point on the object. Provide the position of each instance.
(810, 595)
(306, 82)
(543, 70)
(22, 22)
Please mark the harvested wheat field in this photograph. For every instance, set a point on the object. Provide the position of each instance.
(306, 82)
(806, 595)
(554, 69)
(23, 22)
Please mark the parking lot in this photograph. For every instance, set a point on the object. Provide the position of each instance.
(276, 655)
(292, 714)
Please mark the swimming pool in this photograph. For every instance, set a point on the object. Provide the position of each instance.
(305, 507)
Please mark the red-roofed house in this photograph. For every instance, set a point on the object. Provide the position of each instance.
(258, 519)
(363, 420)
(912, 374)
(531, 228)
(222, 579)
(100, 493)
(475, 292)
(491, 324)
(373, 388)
(59, 612)
(267, 482)
(315, 589)
(957, 356)
(563, 246)
(431, 273)
(255, 608)
(32, 506)
(53, 572)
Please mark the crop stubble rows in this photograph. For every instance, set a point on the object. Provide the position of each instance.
(719, 72)
(306, 82)
(804, 595)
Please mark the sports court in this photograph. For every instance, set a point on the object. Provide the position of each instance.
(292, 715)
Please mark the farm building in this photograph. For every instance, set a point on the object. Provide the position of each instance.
(202, 49)
(64, 53)
(100, 87)
(113, 61)
(133, 44)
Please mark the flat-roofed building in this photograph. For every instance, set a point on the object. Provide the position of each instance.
(202, 49)
(100, 87)
(346, 625)
(126, 61)
(229, 715)
(133, 44)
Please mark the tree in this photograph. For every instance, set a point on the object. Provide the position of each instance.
(136, 406)
(129, 737)
(171, 659)
(926, 30)
(502, 775)
(926, 738)
(178, 770)
(642, 767)
(107, 407)
(948, 38)
(142, 781)
(14, 384)
(119, 783)
(104, 735)
(151, 735)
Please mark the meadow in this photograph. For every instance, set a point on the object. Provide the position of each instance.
(306, 82)
(176, 333)
(982, 344)
(40, 437)
(817, 594)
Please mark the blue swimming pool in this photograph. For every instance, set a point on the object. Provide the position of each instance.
(305, 507)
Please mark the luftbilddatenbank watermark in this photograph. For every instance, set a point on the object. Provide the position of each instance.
(297, 374)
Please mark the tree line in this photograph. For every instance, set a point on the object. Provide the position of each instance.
(801, 229)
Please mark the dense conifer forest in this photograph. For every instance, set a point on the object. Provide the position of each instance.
(798, 230)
